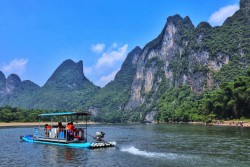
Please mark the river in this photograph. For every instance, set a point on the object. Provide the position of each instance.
(139, 146)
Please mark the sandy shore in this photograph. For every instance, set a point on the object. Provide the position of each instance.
(16, 124)
(233, 123)
(224, 123)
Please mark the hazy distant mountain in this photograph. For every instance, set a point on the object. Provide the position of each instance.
(14, 92)
(2, 80)
(66, 89)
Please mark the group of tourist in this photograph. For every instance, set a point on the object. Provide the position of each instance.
(70, 132)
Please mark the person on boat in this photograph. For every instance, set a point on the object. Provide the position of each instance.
(80, 134)
(60, 129)
(70, 131)
(47, 129)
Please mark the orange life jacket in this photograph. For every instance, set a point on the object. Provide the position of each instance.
(48, 127)
(70, 127)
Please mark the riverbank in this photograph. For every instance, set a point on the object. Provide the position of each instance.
(224, 123)
(232, 123)
(17, 124)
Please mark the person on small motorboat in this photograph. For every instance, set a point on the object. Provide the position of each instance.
(70, 131)
(60, 128)
(47, 129)
(79, 133)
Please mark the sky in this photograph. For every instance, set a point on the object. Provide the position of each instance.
(36, 36)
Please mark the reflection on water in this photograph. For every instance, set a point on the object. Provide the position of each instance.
(68, 154)
(140, 145)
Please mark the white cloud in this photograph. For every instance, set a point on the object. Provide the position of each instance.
(109, 58)
(98, 48)
(218, 17)
(106, 79)
(16, 66)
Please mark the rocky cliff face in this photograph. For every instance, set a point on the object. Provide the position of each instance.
(185, 55)
(245, 7)
(2, 79)
(2, 83)
(13, 83)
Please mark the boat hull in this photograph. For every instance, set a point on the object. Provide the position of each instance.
(29, 138)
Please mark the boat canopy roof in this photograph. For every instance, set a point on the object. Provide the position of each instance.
(64, 114)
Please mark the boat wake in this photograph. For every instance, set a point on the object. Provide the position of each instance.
(136, 151)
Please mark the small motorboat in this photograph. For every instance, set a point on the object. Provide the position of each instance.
(68, 135)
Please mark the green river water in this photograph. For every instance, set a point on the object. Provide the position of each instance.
(139, 145)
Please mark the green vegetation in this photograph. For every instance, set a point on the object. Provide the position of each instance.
(9, 114)
(112, 99)
(230, 101)
(229, 38)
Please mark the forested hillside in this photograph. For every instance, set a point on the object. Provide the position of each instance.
(230, 101)
(181, 73)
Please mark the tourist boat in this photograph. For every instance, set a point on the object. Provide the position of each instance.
(66, 135)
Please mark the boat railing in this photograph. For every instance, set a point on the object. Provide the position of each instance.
(60, 134)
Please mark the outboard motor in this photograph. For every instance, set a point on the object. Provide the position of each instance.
(99, 136)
